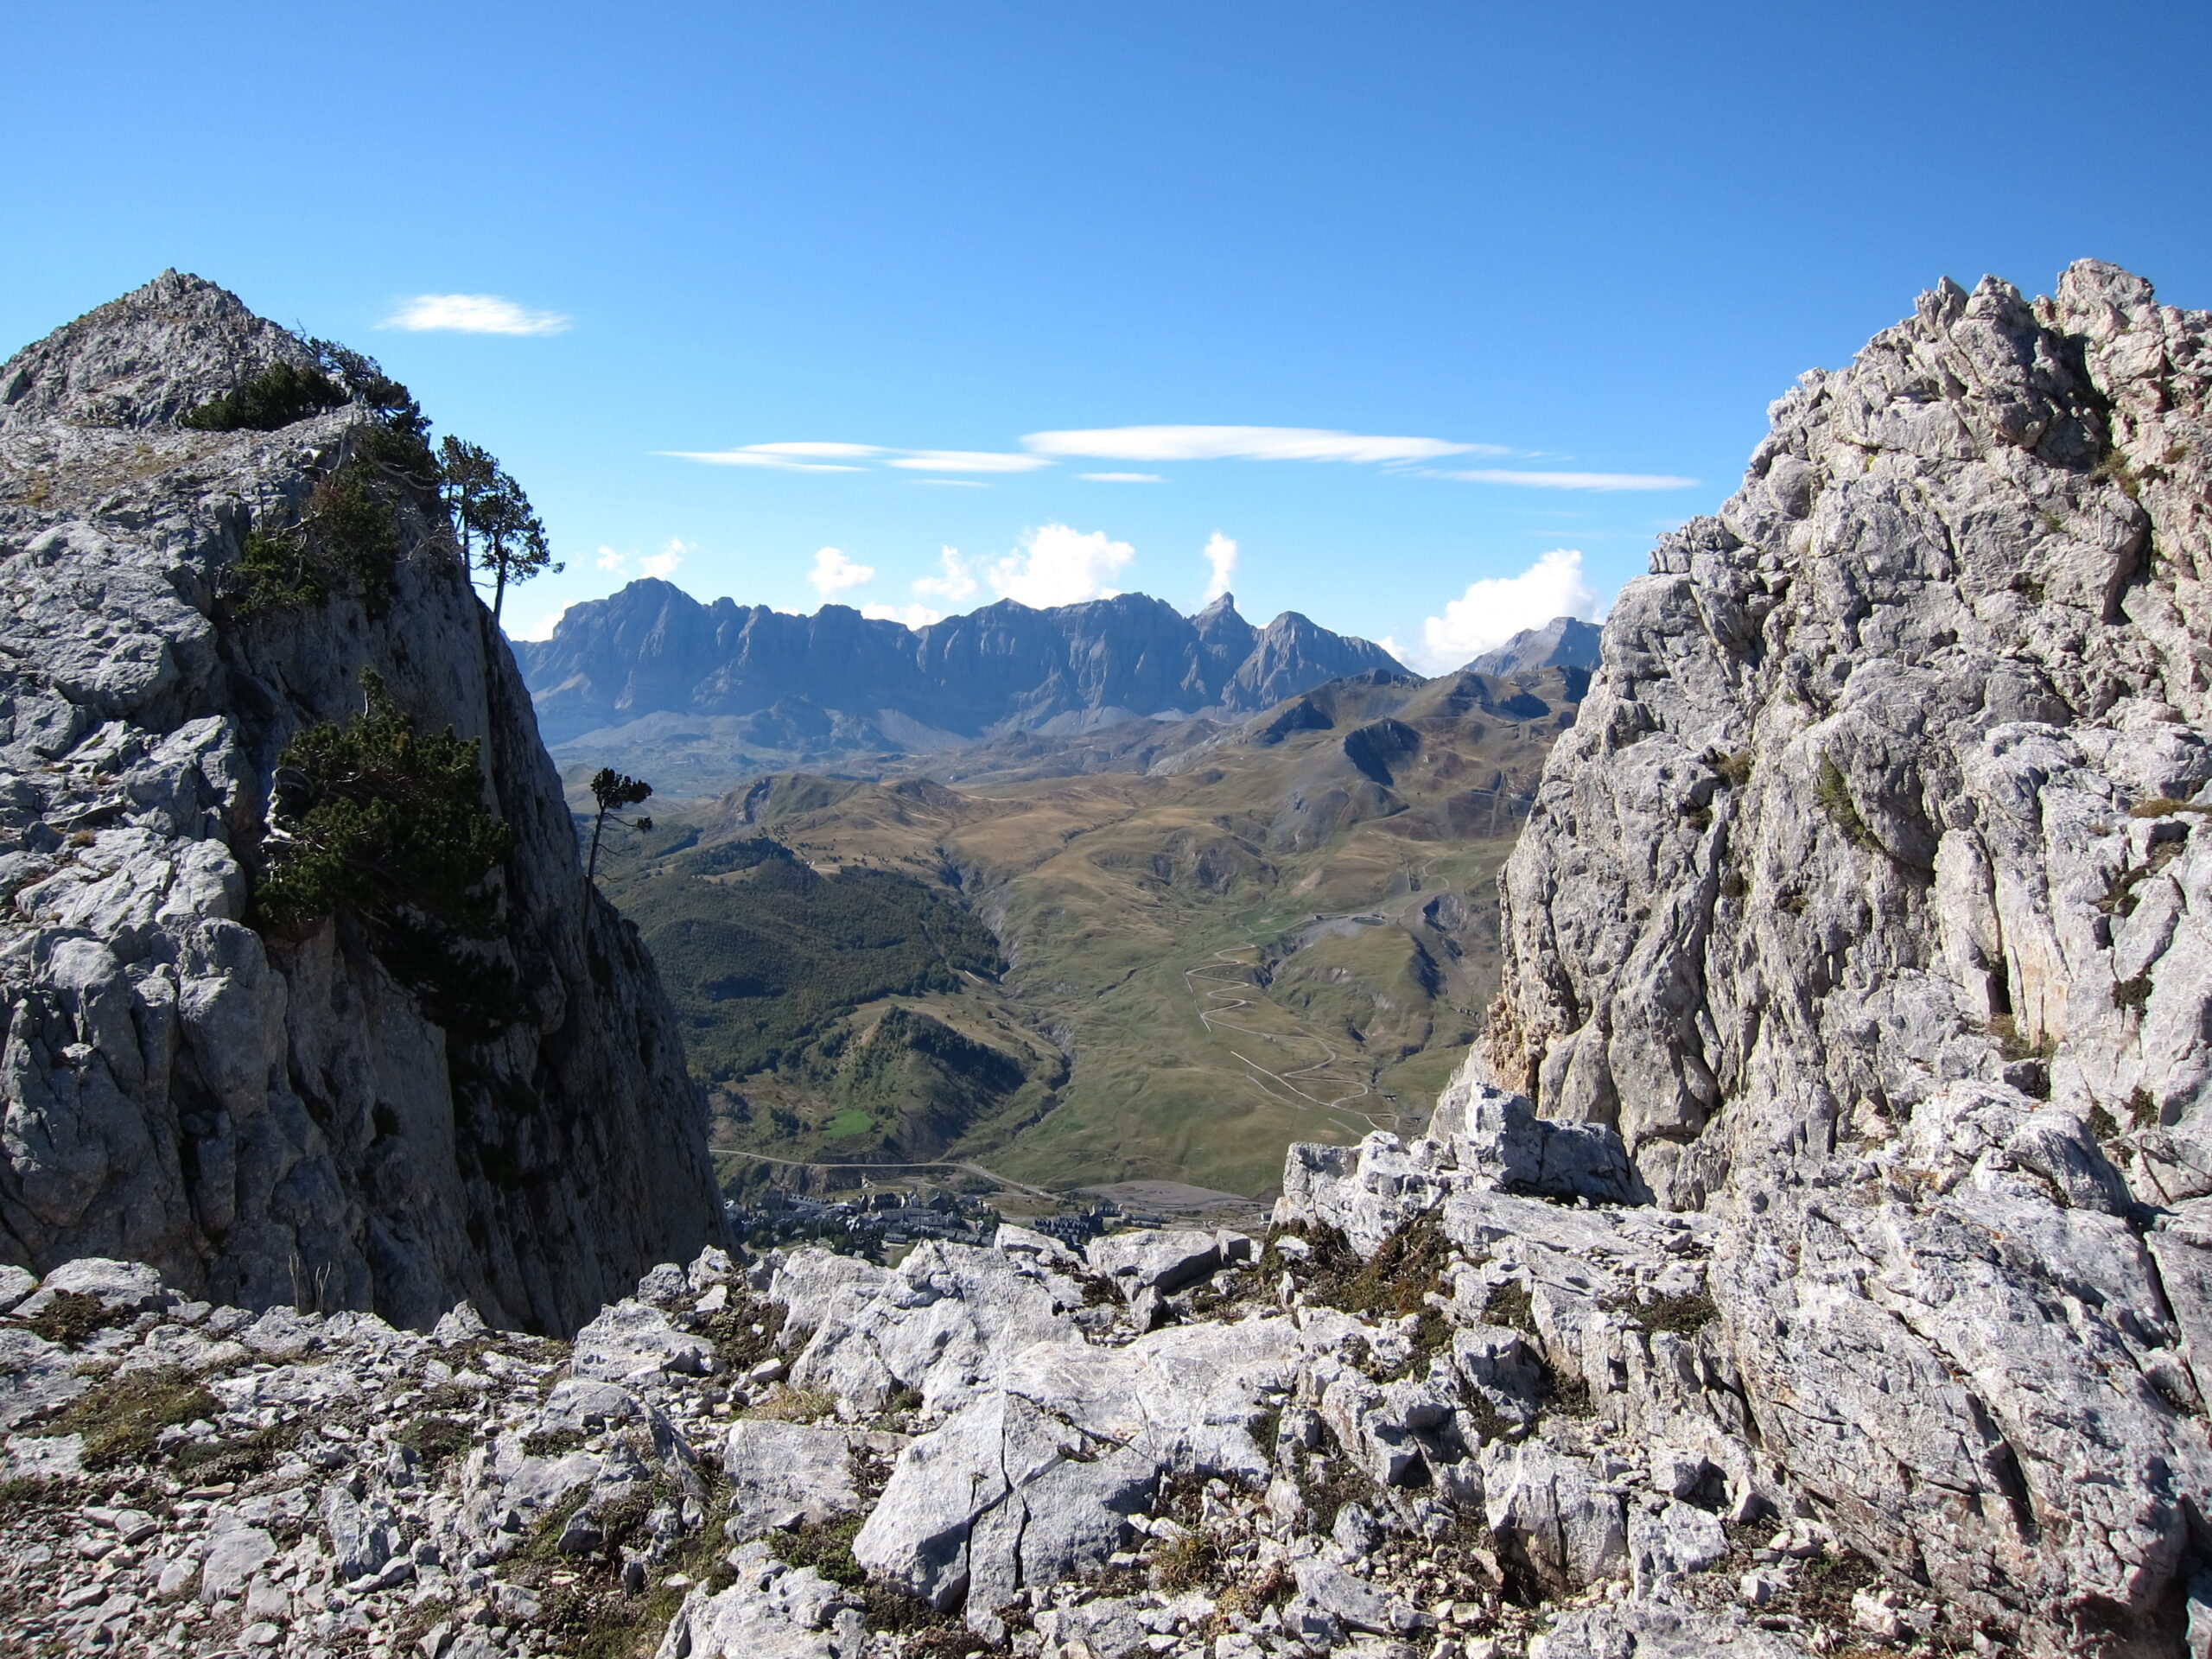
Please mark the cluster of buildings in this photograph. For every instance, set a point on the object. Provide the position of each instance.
(872, 1223)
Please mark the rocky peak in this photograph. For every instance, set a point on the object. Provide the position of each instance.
(273, 1116)
(1563, 642)
(1866, 902)
(143, 360)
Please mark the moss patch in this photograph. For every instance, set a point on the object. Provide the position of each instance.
(122, 1417)
(71, 1316)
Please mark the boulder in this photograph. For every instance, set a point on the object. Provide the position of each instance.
(772, 1612)
(119, 1286)
(1164, 1261)
(784, 1474)
(630, 1339)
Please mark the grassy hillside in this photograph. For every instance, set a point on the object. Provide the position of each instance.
(1158, 952)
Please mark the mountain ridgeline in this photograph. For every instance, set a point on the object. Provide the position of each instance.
(704, 693)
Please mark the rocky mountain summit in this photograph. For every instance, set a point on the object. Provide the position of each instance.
(1563, 642)
(328, 1112)
(650, 664)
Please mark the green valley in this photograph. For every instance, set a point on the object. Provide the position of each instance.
(1156, 953)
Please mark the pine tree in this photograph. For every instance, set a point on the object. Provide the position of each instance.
(614, 790)
(500, 533)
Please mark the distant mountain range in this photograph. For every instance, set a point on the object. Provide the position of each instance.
(839, 681)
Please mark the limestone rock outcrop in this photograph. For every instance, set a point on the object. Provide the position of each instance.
(281, 1120)
(1865, 910)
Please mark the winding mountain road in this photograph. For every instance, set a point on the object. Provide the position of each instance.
(1208, 973)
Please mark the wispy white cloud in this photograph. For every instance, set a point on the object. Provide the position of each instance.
(954, 483)
(608, 559)
(1576, 480)
(473, 314)
(1495, 608)
(915, 616)
(957, 582)
(1123, 478)
(662, 565)
(965, 460)
(1060, 565)
(1245, 443)
(809, 456)
(773, 457)
(1220, 553)
(833, 573)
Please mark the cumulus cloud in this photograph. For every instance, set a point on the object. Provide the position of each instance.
(542, 629)
(1244, 443)
(913, 616)
(1059, 565)
(1577, 480)
(833, 573)
(956, 584)
(1495, 608)
(608, 559)
(473, 314)
(662, 564)
(1220, 554)
(1123, 478)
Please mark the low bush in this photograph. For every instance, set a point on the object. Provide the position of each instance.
(346, 542)
(279, 396)
(388, 819)
(434, 1439)
(387, 824)
(1833, 794)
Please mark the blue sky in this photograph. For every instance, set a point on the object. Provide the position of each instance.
(1592, 240)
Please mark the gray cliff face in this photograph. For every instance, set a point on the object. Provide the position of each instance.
(1870, 899)
(270, 1122)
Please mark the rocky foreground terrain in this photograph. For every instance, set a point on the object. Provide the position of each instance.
(1358, 1433)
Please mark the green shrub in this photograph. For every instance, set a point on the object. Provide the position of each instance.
(279, 396)
(387, 824)
(1834, 797)
(394, 818)
(825, 1546)
(1684, 1315)
(347, 541)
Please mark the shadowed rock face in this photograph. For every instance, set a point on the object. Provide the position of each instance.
(277, 1122)
(1870, 900)
(651, 648)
